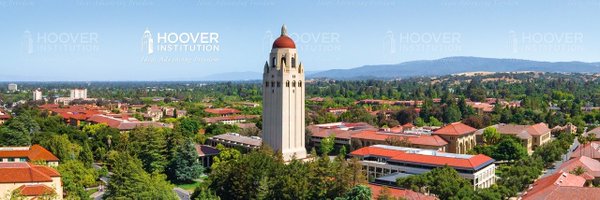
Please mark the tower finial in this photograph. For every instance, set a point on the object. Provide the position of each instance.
(283, 30)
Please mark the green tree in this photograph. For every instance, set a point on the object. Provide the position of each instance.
(130, 181)
(359, 192)
(149, 145)
(76, 176)
(62, 147)
(491, 135)
(184, 166)
(509, 149)
(327, 144)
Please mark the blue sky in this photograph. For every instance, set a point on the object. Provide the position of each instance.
(329, 34)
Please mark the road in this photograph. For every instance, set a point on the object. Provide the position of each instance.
(182, 194)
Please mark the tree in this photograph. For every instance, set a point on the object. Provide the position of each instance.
(398, 141)
(419, 122)
(359, 192)
(76, 176)
(225, 155)
(435, 122)
(10, 137)
(579, 170)
(444, 182)
(452, 114)
(327, 144)
(491, 135)
(184, 166)
(509, 149)
(149, 145)
(62, 147)
(130, 181)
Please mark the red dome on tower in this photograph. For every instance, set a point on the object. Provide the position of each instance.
(284, 41)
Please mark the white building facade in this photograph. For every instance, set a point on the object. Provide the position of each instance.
(283, 99)
(78, 94)
(37, 95)
(12, 87)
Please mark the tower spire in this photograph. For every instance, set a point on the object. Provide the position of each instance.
(283, 30)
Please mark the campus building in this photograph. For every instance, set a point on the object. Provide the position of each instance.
(460, 137)
(385, 160)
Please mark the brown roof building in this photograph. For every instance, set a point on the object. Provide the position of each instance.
(461, 137)
(561, 185)
(34, 153)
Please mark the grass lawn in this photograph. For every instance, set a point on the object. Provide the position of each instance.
(189, 186)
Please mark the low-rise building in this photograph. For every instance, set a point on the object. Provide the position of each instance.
(4, 116)
(560, 185)
(591, 150)
(591, 168)
(34, 153)
(235, 119)
(397, 193)
(206, 154)
(460, 137)
(342, 131)
(29, 180)
(531, 136)
(125, 124)
(382, 160)
(235, 140)
(409, 138)
(222, 112)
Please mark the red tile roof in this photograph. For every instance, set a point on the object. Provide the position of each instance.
(35, 190)
(33, 153)
(426, 140)
(341, 130)
(538, 129)
(591, 167)
(229, 118)
(399, 193)
(435, 159)
(222, 111)
(456, 128)
(23, 172)
(549, 187)
(591, 150)
(123, 124)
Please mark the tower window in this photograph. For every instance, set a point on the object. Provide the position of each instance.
(266, 84)
(274, 61)
(293, 62)
(272, 83)
(293, 83)
(278, 84)
(299, 83)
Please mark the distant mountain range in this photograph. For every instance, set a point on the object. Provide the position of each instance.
(444, 66)
(453, 65)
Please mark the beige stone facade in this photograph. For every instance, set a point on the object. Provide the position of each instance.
(283, 100)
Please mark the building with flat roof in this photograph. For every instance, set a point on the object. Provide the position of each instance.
(382, 160)
(78, 93)
(12, 87)
(29, 180)
(235, 140)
